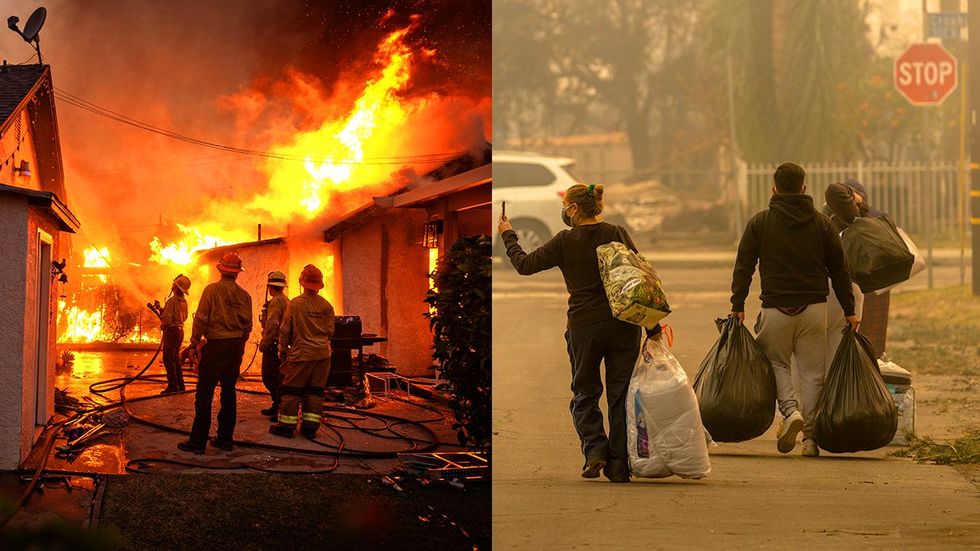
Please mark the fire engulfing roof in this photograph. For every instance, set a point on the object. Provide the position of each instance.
(66, 220)
(457, 175)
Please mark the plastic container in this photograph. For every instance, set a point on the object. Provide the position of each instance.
(899, 383)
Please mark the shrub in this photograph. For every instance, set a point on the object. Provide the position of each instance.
(460, 322)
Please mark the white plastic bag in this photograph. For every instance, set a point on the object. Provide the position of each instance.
(664, 433)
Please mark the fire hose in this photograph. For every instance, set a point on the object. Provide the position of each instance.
(338, 449)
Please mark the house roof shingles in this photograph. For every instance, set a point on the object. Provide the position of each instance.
(16, 83)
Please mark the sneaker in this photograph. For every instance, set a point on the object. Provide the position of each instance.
(280, 430)
(225, 445)
(788, 429)
(810, 448)
(167, 391)
(592, 468)
(189, 446)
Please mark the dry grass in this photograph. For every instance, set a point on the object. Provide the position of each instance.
(936, 331)
(964, 450)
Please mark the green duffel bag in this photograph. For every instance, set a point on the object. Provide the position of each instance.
(877, 256)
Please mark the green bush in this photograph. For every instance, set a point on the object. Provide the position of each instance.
(460, 322)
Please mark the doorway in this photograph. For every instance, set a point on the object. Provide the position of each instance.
(44, 243)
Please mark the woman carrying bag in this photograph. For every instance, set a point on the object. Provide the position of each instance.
(592, 335)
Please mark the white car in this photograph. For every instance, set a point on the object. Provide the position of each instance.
(532, 185)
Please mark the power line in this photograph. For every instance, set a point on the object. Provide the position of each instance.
(76, 101)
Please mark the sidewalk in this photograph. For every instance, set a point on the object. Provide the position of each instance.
(754, 497)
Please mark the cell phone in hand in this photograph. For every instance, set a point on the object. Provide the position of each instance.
(503, 208)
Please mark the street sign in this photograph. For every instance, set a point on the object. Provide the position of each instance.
(926, 74)
(946, 25)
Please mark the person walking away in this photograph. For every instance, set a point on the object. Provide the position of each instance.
(844, 206)
(224, 320)
(874, 317)
(592, 334)
(271, 320)
(304, 347)
(172, 320)
(796, 248)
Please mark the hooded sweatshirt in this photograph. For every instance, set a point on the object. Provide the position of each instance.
(797, 249)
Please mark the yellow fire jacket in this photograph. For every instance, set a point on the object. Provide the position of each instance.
(306, 329)
(273, 320)
(225, 312)
(174, 313)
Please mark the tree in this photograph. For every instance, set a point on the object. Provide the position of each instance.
(798, 73)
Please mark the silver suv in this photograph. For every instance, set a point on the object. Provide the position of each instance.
(533, 186)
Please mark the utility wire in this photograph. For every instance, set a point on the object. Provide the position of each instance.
(76, 101)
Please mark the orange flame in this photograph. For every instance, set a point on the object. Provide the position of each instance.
(342, 163)
(78, 325)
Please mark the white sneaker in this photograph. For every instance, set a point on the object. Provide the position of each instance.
(788, 429)
(810, 448)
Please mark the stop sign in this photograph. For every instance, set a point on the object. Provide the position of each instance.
(925, 74)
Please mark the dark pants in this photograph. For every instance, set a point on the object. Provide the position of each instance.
(172, 339)
(221, 361)
(618, 343)
(271, 374)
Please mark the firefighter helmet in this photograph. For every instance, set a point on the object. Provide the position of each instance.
(230, 263)
(277, 279)
(184, 283)
(311, 278)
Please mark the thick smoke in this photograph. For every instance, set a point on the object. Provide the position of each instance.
(246, 74)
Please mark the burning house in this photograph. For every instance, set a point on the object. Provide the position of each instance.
(377, 259)
(34, 217)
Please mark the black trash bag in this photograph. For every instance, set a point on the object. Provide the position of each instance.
(855, 412)
(877, 256)
(735, 386)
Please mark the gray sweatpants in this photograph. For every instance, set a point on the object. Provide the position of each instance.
(799, 340)
(836, 321)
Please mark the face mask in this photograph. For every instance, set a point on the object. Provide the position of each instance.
(565, 217)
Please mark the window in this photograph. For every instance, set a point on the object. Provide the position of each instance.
(520, 174)
(570, 169)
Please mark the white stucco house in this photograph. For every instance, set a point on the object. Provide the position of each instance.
(34, 219)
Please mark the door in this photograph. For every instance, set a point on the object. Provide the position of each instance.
(44, 242)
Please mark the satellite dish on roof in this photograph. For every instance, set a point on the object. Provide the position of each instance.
(32, 29)
(34, 24)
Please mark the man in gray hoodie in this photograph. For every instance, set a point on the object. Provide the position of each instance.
(797, 249)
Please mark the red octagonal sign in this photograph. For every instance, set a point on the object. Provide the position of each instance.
(926, 74)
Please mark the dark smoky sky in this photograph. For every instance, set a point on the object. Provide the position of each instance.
(174, 63)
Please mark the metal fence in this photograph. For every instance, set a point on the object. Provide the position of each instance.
(923, 198)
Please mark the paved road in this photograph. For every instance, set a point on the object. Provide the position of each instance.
(755, 497)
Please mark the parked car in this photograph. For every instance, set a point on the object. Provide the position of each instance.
(533, 186)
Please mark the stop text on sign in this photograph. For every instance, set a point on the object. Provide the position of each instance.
(926, 74)
(917, 73)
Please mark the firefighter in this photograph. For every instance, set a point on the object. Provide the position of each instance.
(224, 320)
(304, 347)
(172, 324)
(271, 319)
